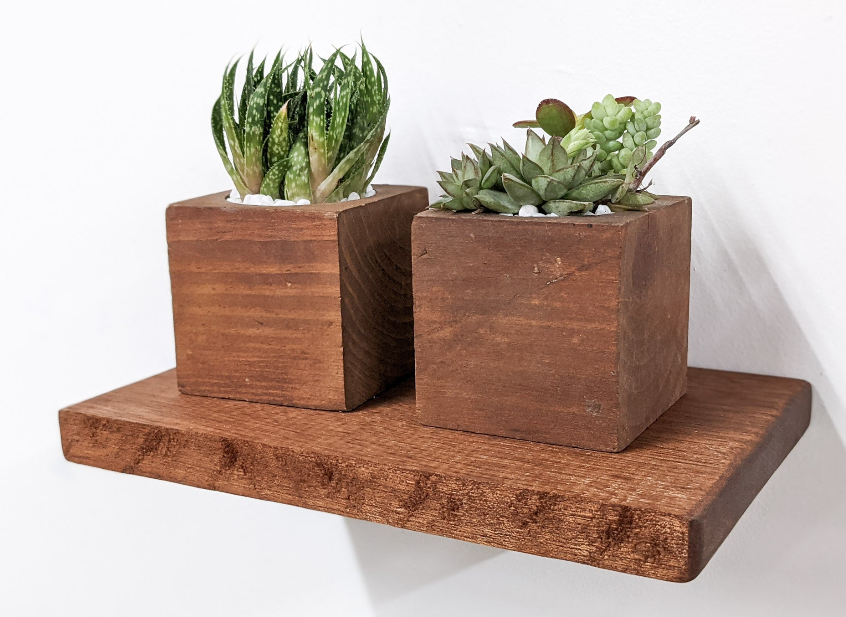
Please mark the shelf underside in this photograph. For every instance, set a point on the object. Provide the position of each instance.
(661, 508)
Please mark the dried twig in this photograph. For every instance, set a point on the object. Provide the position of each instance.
(641, 174)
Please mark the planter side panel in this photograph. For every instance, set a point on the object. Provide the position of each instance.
(654, 314)
(256, 303)
(376, 302)
(516, 327)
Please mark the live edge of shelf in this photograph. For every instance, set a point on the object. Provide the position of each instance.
(661, 508)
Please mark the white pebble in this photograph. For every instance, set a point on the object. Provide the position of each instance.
(505, 214)
(266, 200)
(353, 196)
(603, 209)
(541, 214)
(552, 214)
(370, 192)
(235, 196)
(527, 211)
(303, 202)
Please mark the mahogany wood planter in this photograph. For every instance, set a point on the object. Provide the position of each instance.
(304, 306)
(569, 331)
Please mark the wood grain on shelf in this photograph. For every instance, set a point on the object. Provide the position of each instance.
(659, 509)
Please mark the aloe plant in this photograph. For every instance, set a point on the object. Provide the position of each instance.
(599, 157)
(301, 131)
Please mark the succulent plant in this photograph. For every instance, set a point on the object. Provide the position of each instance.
(601, 156)
(301, 132)
(622, 124)
(558, 175)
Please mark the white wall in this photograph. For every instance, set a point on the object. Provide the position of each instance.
(105, 111)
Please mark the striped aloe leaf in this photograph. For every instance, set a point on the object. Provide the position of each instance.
(277, 141)
(253, 126)
(318, 148)
(217, 131)
(297, 181)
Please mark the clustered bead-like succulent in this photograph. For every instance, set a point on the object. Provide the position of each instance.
(598, 157)
(303, 132)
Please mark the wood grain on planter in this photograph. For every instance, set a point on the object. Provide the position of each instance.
(307, 306)
(569, 331)
(660, 509)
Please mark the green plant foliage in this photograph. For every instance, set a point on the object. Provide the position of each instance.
(559, 179)
(598, 157)
(304, 131)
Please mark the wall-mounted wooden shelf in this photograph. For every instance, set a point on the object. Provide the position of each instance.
(660, 509)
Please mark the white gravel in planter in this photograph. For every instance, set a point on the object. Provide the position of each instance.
(601, 209)
(267, 200)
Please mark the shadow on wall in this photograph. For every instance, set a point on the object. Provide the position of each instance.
(783, 557)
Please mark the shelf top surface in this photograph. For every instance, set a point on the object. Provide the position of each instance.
(674, 467)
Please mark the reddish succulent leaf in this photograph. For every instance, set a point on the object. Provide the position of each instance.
(555, 117)
(625, 100)
(526, 124)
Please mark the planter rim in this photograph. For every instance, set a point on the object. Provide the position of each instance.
(220, 200)
(614, 219)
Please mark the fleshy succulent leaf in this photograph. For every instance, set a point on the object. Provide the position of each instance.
(534, 145)
(497, 201)
(548, 187)
(593, 190)
(564, 207)
(520, 192)
(219, 140)
(529, 169)
(233, 136)
(378, 163)
(491, 177)
(253, 126)
(277, 141)
(526, 124)
(555, 117)
(297, 184)
(271, 184)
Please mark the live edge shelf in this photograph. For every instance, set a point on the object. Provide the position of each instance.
(661, 508)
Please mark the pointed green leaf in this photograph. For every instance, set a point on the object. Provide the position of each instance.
(526, 124)
(534, 145)
(497, 201)
(529, 169)
(563, 207)
(637, 200)
(566, 176)
(253, 126)
(325, 188)
(277, 141)
(499, 160)
(272, 182)
(548, 187)
(511, 154)
(217, 131)
(520, 192)
(318, 148)
(246, 91)
(233, 136)
(297, 181)
(378, 163)
(340, 114)
(593, 190)
(491, 177)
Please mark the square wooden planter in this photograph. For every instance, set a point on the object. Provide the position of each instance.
(569, 331)
(305, 306)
